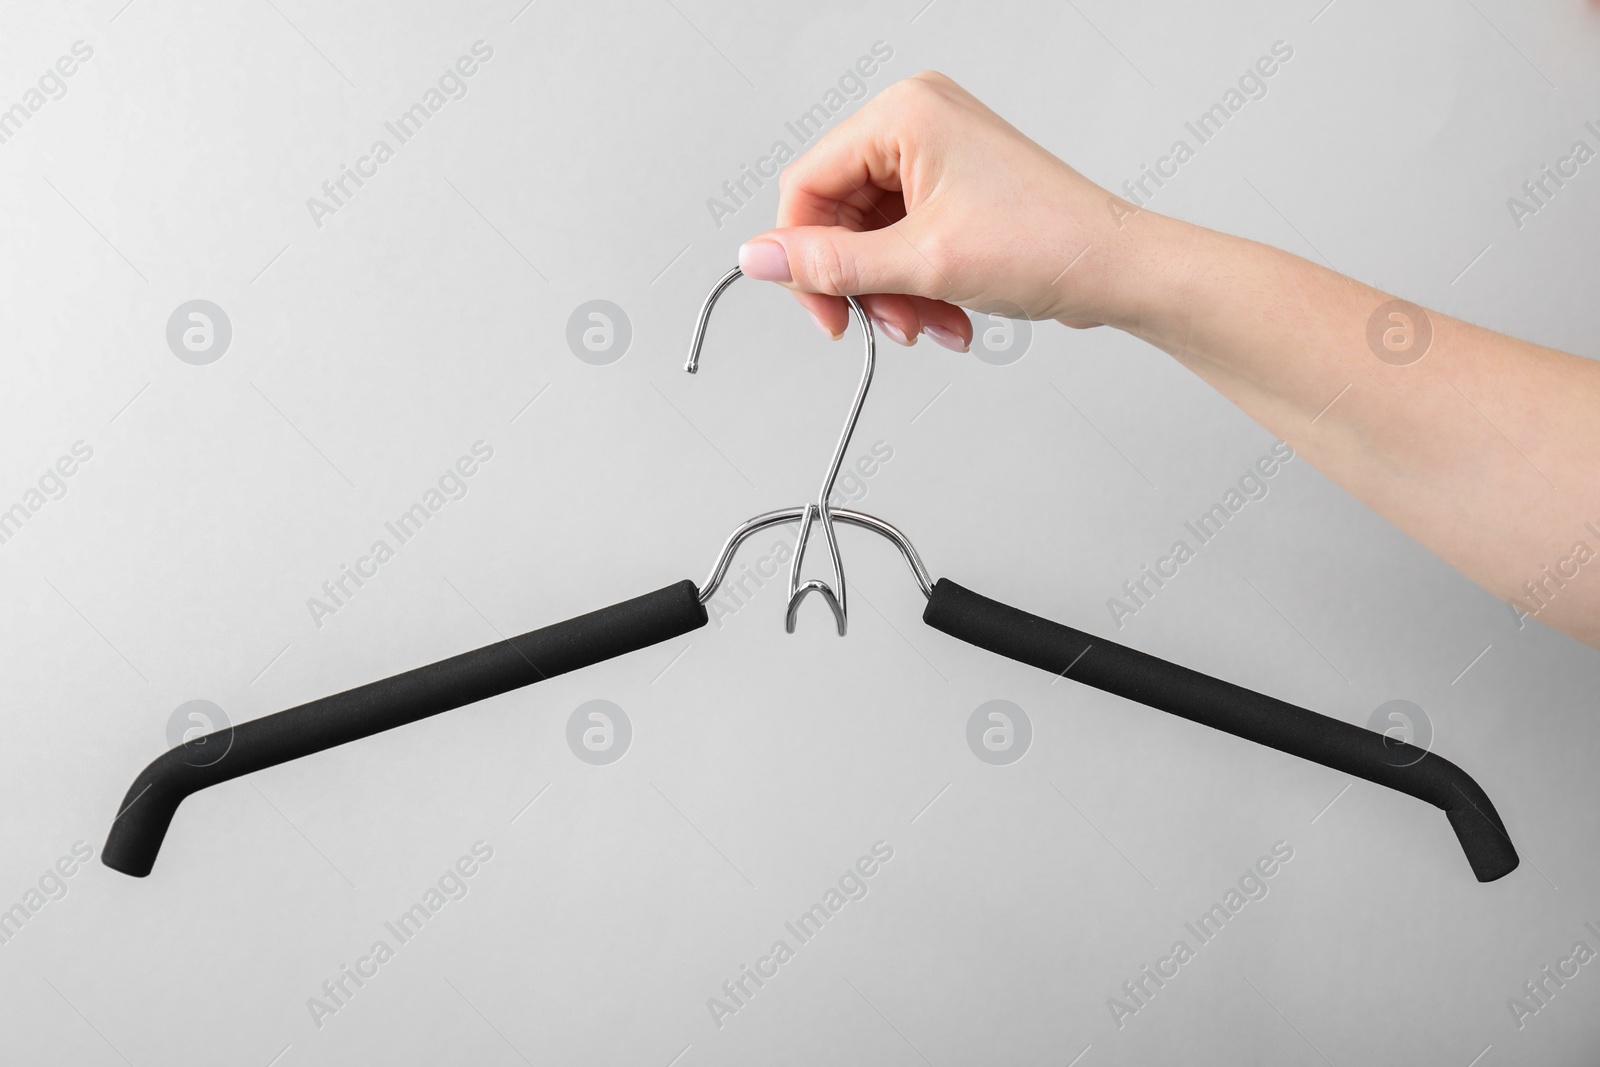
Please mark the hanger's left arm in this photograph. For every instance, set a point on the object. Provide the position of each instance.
(151, 801)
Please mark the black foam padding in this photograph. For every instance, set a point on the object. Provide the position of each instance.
(138, 829)
(1233, 709)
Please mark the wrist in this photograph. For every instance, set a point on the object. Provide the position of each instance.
(1167, 272)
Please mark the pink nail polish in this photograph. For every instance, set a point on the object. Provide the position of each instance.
(895, 332)
(823, 327)
(765, 261)
(947, 338)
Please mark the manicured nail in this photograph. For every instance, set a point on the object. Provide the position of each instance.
(824, 328)
(895, 332)
(765, 261)
(948, 338)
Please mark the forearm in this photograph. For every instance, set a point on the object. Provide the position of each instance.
(1485, 449)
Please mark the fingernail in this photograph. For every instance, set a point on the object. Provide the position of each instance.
(895, 332)
(948, 338)
(824, 328)
(765, 261)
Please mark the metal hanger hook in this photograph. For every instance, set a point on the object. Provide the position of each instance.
(820, 511)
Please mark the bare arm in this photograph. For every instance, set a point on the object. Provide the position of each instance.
(1484, 448)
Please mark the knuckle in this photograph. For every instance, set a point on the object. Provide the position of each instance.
(907, 90)
(830, 270)
(924, 96)
(933, 87)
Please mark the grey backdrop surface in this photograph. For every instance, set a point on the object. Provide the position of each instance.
(374, 346)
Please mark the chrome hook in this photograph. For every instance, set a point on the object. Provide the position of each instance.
(819, 511)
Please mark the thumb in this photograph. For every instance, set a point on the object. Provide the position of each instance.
(837, 261)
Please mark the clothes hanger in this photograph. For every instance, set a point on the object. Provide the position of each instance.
(147, 809)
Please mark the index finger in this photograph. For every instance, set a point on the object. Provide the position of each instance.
(851, 177)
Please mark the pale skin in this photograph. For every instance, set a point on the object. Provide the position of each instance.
(1486, 449)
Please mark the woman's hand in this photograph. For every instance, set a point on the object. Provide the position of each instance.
(1484, 448)
(925, 200)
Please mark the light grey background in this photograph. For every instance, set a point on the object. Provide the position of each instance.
(430, 312)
